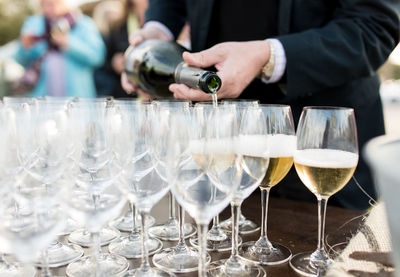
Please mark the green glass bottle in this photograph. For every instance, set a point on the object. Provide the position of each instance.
(155, 64)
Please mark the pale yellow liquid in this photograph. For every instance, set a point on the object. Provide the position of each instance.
(277, 169)
(324, 181)
(325, 171)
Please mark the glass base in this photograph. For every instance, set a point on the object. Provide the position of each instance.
(151, 272)
(242, 268)
(217, 245)
(245, 226)
(169, 231)
(107, 264)
(62, 254)
(264, 255)
(82, 237)
(16, 270)
(124, 223)
(131, 247)
(301, 263)
(178, 261)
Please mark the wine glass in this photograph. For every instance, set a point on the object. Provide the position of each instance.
(145, 188)
(130, 218)
(53, 117)
(201, 156)
(134, 157)
(218, 239)
(246, 226)
(181, 258)
(42, 150)
(8, 154)
(80, 108)
(252, 146)
(94, 200)
(325, 160)
(282, 142)
(169, 230)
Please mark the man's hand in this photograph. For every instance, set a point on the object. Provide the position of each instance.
(237, 64)
(147, 32)
(117, 63)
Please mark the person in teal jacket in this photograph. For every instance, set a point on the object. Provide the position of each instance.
(65, 47)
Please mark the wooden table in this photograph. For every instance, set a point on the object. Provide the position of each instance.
(292, 223)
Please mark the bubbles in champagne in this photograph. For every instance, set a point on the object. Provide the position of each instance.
(281, 145)
(327, 158)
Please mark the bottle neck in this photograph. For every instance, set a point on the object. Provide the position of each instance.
(194, 77)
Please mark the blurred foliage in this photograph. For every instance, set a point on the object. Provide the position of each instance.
(12, 14)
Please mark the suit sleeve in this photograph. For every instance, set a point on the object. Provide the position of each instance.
(172, 13)
(353, 44)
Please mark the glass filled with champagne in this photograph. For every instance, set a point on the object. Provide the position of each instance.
(282, 143)
(325, 160)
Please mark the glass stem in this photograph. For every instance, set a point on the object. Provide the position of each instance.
(96, 250)
(181, 218)
(145, 253)
(322, 203)
(134, 231)
(96, 244)
(172, 212)
(264, 213)
(45, 264)
(235, 208)
(202, 234)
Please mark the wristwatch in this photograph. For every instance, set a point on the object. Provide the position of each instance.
(268, 68)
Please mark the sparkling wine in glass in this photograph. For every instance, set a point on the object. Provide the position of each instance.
(282, 144)
(205, 168)
(252, 146)
(325, 160)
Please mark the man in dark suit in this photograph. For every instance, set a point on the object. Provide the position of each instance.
(309, 53)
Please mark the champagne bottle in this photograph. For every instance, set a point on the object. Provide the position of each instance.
(155, 64)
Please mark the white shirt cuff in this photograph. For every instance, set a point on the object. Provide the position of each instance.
(280, 62)
(160, 26)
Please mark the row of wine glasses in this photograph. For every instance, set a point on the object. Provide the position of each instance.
(83, 159)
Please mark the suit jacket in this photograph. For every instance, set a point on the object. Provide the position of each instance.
(333, 51)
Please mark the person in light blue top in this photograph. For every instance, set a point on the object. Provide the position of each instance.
(65, 47)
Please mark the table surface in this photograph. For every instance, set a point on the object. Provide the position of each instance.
(291, 223)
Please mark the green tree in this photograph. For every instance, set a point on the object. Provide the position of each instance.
(12, 14)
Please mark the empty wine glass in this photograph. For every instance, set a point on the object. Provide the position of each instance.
(7, 153)
(169, 230)
(252, 146)
(282, 144)
(201, 156)
(126, 221)
(95, 201)
(325, 160)
(132, 152)
(42, 150)
(145, 188)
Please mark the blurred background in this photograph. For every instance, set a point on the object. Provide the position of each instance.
(14, 12)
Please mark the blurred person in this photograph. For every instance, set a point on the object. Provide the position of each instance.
(106, 15)
(60, 48)
(131, 20)
(307, 53)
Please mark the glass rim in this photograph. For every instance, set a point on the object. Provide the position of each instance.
(240, 100)
(327, 108)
